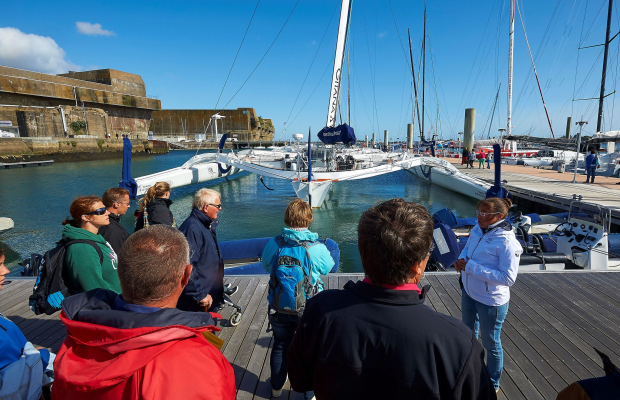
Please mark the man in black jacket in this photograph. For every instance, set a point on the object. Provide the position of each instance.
(376, 339)
(116, 201)
(206, 288)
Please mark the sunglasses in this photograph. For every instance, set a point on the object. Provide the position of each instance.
(99, 211)
(218, 206)
(484, 214)
(122, 202)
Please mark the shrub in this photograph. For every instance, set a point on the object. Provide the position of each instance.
(73, 143)
(78, 127)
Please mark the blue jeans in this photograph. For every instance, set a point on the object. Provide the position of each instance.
(591, 172)
(284, 327)
(488, 320)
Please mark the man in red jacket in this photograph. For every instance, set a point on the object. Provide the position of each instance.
(138, 345)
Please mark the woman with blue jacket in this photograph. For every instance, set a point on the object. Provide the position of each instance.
(488, 265)
(297, 217)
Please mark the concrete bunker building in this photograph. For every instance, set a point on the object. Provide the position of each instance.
(107, 101)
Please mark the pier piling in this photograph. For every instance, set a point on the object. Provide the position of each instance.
(386, 139)
(470, 125)
(409, 136)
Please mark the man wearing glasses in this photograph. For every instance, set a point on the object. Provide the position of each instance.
(117, 202)
(206, 288)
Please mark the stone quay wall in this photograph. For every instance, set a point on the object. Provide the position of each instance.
(89, 147)
(242, 123)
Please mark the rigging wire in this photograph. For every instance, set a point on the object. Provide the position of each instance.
(578, 54)
(331, 63)
(398, 33)
(310, 68)
(372, 76)
(237, 55)
(264, 55)
(474, 63)
(534, 68)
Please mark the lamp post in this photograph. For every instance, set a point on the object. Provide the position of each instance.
(581, 124)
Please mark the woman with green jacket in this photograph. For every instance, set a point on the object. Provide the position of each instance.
(85, 269)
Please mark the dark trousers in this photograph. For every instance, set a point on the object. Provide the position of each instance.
(284, 327)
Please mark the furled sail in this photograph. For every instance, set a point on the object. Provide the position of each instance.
(334, 93)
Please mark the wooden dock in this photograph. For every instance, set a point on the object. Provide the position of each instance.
(554, 321)
(24, 164)
(550, 188)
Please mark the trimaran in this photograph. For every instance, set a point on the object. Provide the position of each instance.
(311, 171)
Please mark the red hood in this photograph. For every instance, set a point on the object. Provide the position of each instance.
(101, 356)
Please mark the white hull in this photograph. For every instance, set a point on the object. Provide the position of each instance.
(442, 173)
(198, 169)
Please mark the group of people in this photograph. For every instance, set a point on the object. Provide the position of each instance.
(469, 157)
(139, 326)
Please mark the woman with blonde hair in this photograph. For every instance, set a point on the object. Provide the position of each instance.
(91, 263)
(154, 207)
(488, 265)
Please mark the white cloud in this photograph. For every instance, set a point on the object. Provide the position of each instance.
(382, 35)
(32, 52)
(86, 28)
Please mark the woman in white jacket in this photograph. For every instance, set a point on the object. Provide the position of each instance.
(488, 265)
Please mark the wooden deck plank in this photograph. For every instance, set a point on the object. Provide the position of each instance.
(248, 290)
(574, 289)
(254, 325)
(554, 319)
(531, 357)
(579, 317)
(568, 338)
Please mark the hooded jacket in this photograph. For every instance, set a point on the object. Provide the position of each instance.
(493, 264)
(114, 233)
(23, 369)
(158, 211)
(367, 342)
(321, 262)
(208, 272)
(112, 354)
(84, 268)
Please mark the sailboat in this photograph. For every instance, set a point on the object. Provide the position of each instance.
(313, 170)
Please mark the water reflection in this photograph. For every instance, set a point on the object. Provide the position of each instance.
(38, 199)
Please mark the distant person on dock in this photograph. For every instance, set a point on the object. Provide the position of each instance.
(592, 163)
(488, 265)
(206, 288)
(313, 258)
(138, 345)
(86, 269)
(488, 157)
(465, 157)
(117, 202)
(472, 158)
(24, 370)
(376, 339)
(481, 158)
(154, 207)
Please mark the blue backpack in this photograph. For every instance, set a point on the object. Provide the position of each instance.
(290, 283)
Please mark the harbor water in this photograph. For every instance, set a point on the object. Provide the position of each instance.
(38, 200)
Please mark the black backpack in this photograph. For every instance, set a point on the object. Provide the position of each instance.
(51, 289)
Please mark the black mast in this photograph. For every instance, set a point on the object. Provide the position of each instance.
(415, 88)
(602, 96)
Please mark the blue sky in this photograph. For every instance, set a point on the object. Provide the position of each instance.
(184, 52)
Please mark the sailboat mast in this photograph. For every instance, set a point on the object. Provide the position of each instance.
(349, 86)
(600, 101)
(423, 71)
(510, 51)
(334, 93)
